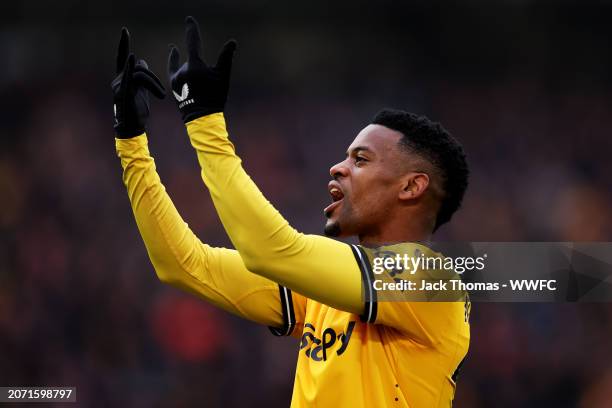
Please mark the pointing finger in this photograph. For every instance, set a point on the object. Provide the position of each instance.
(124, 49)
(193, 38)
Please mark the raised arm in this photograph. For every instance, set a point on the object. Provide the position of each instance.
(180, 259)
(217, 275)
(317, 267)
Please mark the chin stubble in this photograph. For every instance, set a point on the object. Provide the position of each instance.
(332, 229)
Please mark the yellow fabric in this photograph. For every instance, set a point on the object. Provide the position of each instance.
(380, 366)
(217, 275)
(405, 360)
(268, 245)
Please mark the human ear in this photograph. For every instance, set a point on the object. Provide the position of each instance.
(413, 186)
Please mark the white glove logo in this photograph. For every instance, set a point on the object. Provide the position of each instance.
(184, 93)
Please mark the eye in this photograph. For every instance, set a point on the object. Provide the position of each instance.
(359, 159)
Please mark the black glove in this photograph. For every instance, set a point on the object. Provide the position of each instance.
(198, 88)
(131, 89)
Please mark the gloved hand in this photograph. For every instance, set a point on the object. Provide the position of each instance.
(131, 89)
(199, 89)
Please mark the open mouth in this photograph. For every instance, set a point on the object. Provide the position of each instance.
(336, 195)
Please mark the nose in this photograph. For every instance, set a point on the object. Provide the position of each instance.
(338, 170)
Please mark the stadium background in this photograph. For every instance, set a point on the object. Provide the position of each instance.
(525, 85)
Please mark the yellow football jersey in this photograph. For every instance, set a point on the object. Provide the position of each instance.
(397, 354)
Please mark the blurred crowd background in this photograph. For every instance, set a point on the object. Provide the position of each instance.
(524, 84)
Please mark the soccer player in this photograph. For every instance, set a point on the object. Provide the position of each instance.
(403, 177)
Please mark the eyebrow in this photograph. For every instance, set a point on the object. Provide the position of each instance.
(358, 149)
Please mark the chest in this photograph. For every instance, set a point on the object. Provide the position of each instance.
(328, 332)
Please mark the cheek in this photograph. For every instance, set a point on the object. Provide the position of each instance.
(372, 196)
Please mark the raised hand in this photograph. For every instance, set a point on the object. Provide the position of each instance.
(198, 88)
(131, 89)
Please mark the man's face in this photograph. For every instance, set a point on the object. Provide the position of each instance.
(366, 184)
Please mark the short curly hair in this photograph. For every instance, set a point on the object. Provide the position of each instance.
(435, 144)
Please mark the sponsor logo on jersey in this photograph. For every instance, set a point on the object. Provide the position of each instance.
(318, 349)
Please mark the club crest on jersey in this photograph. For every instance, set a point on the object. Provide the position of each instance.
(317, 348)
(182, 98)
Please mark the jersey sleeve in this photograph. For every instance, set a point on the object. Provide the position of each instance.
(293, 306)
(426, 317)
(317, 267)
(180, 259)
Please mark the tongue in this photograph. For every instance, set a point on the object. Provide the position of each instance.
(331, 207)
